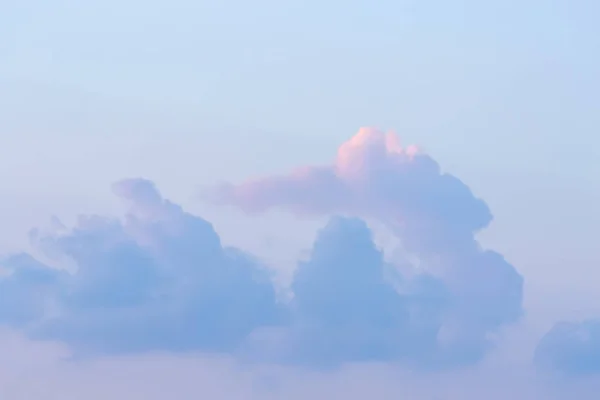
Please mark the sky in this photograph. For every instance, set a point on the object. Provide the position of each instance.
(222, 199)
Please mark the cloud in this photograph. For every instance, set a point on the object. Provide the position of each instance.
(159, 279)
(475, 292)
(571, 348)
(351, 306)
(373, 176)
(26, 288)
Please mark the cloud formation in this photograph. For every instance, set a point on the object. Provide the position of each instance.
(350, 306)
(373, 176)
(470, 292)
(160, 280)
(571, 348)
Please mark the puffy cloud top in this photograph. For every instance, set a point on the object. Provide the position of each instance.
(345, 307)
(373, 176)
(160, 279)
(434, 214)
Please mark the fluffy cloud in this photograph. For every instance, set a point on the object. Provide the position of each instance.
(160, 280)
(571, 348)
(26, 289)
(470, 292)
(350, 306)
(373, 176)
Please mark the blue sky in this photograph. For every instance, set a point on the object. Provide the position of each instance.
(502, 95)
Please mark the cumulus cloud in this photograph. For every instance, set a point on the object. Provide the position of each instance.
(373, 176)
(350, 306)
(26, 289)
(571, 348)
(435, 216)
(159, 279)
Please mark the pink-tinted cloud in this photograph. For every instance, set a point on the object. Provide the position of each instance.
(373, 176)
(434, 215)
(160, 279)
